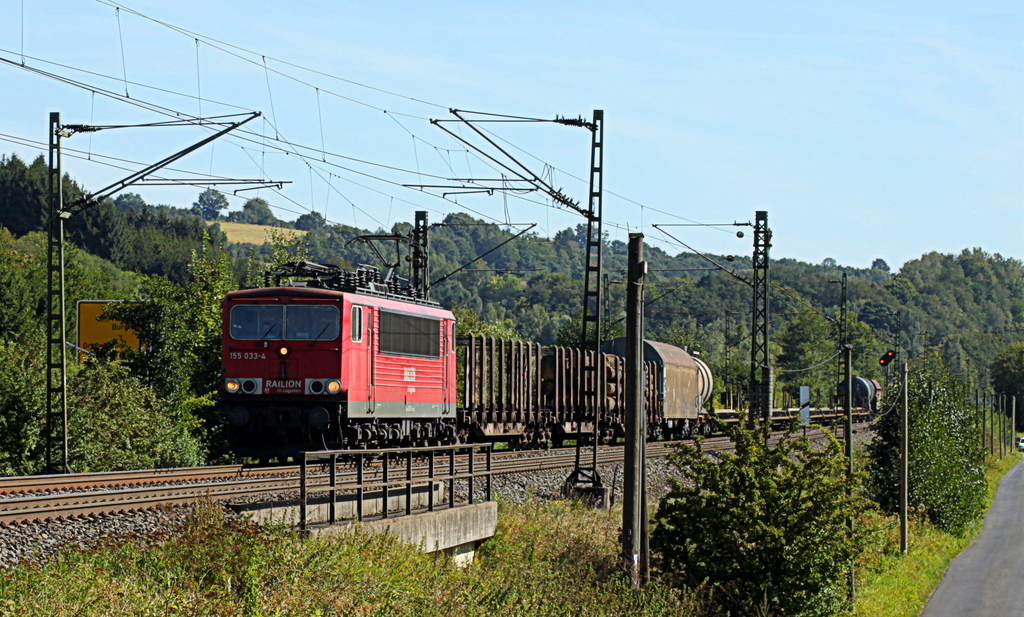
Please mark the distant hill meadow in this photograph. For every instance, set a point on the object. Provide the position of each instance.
(968, 306)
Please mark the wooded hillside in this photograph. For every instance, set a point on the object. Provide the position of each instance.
(968, 306)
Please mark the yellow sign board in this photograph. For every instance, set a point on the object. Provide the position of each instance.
(92, 332)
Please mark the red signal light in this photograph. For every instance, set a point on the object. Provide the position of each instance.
(887, 357)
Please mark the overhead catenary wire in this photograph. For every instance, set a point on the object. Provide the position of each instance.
(177, 114)
(221, 46)
(226, 47)
(124, 68)
(284, 62)
(805, 369)
(609, 192)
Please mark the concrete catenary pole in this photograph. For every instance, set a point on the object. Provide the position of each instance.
(987, 404)
(1002, 425)
(904, 456)
(848, 431)
(634, 494)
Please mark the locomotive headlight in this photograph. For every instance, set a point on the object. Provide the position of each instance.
(231, 385)
(284, 351)
(334, 386)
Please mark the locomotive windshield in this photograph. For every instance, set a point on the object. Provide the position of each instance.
(311, 323)
(293, 323)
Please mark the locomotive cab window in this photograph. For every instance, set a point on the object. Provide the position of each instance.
(260, 322)
(311, 323)
(257, 322)
(409, 335)
(357, 324)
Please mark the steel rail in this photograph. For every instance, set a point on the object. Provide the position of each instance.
(58, 482)
(85, 503)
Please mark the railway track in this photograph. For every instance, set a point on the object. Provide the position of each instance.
(37, 498)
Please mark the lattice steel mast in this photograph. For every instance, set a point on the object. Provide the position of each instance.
(760, 368)
(586, 475)
(420, 257)
(56, 327)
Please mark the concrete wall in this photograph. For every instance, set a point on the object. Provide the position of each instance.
(432, 531)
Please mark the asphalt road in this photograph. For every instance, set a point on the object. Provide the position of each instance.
(987, 579)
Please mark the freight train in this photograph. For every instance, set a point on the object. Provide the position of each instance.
(323, 358)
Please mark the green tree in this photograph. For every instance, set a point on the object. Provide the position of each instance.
(120, 423)
(256, 211)
(569, 335)
(209, 204)
(114, 420)
(808, 348)
(467, 322)
(310, 221)
(765, 526)
(947, 474)
(22, 406)
(1007, 371)
(23, 200)
(180, 332)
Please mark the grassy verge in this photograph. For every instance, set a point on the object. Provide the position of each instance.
(546, 559)
(891, 585)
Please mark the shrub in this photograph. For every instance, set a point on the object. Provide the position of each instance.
(765, 528)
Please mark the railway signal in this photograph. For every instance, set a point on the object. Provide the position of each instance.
(887, 357)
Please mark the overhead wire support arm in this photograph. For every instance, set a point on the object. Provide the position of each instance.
(481, 256)
(87, 201)
(523, 172)
(91, 128)
(717, 265)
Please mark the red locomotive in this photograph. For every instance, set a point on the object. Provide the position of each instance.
(337, 359)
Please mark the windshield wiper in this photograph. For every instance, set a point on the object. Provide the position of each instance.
(269, 330)
(328, 325)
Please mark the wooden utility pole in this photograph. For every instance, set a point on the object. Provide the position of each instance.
(634, 493)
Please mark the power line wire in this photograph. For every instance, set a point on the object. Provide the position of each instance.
(285, 62)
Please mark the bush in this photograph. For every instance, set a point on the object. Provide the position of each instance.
(114, 420)
(22, 406)
(117, 422)
(765, 528)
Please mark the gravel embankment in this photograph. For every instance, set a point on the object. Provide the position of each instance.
(34, 543)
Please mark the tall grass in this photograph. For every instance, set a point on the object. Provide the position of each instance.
(547, 559)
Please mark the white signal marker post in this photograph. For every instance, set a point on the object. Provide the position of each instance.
(805, 407)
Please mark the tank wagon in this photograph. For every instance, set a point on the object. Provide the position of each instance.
(321, 358)
(866, 392)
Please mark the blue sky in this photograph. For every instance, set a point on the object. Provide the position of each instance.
(865, 130)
